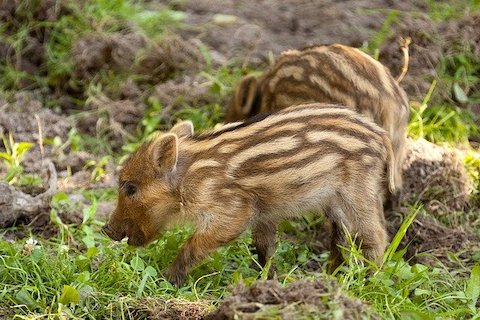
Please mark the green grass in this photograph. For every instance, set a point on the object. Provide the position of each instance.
(447, 10)
(83, 274)
(13, 156)
(441, 123)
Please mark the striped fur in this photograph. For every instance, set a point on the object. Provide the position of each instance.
(313, 157)
(328, 74)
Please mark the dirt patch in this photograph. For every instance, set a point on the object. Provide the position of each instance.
(424, 53)
(131, 52)
(429, 242)
(116, 112)
(176, 93)
(162, 60)
(173, 309)
(321, 299)
(25, 117)
(113, 120)
(24, 113)
(115, 51)
(18, 207)
(436, 177)
(252, 30)
(41, 225)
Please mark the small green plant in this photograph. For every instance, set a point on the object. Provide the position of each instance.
(148, 126)
(205, 117)
(98, 168)
(448, 10)
(13, 157)
(461, 73)
(32, 180)
(385, 31)
(442, 123)
(155, 22)
(223, 80)
(472, 163)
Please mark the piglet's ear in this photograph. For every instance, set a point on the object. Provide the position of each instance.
(183, 129)
(165, 152)
(245, 95)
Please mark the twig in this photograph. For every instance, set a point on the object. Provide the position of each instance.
(404, 43)
(52, 182)
(40, 134)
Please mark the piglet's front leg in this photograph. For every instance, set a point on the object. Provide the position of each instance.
(219, 232)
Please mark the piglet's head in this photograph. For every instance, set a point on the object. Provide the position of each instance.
(148, 200)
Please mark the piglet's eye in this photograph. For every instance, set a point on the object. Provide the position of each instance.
(130, 189)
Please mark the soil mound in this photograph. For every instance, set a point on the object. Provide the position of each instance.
(302, 299)
(173, 309)
(436, 177)
(429, 242)
(151, 61)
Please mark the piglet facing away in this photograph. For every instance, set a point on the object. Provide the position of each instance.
(257, 173)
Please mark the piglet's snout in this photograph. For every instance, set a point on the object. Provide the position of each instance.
(111, 233)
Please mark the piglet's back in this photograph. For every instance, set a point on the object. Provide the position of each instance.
(305, 152)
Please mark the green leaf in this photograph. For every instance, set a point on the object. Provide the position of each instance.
(215, 88)
(24, 297)
(55, 219)
(405, 272)
(60, 198)
(237, 277)
(392, 248)
(141, 286)
(89, 212)
(91, 252)
(459, 94)
(83, 277)
(419, 292)
(23, 147)
(476, 256)
(13, 172)
(89, 238)
(473, 287)
(150, 271)
(419, 268)
(6, 156)
(137, 263)
(69, 295)
(82, 262)
(37, 254)
(414, 315)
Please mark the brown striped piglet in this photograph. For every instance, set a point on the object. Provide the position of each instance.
(257, 173)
